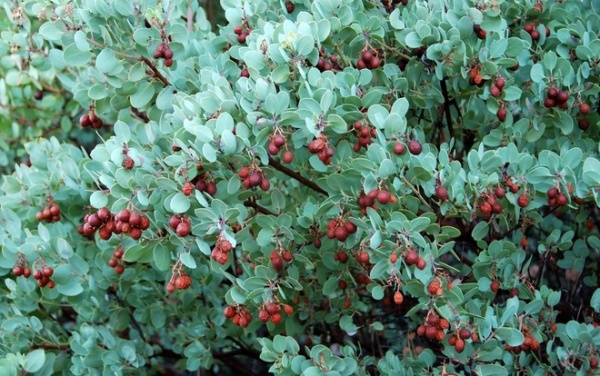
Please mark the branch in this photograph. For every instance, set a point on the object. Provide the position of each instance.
(447, 107)
(52, 346)
(414, 189)
(142, 116)
(155, 70)
(251, 202)
(293, 174)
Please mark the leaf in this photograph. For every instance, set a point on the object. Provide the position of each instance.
(188, 260)
(377, 292)
(595, 301)
(35, 360)
(511, 336)
(143, 94)
(480, 231)
(180, 203)
(74, 57)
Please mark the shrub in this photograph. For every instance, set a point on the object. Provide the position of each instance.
(331, 187)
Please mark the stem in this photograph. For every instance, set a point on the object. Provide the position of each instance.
(155, 70)
(447, 107)
(293, 174)
(414, 189)
(251, 202)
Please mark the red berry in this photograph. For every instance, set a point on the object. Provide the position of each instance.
(18, 270)
(398, 298)
(37, 274)
(289, 6)
(495, 286)
(441, 193)
(183, 282)
(244, 172)
(465, 333)
(383, 197)
(500, 193)
(128, 163)
(272, 308)
(279, 140)
(26, 272)
(500, 83)
(350, 227)
(119, 269)
(421, 263)
(523, 200)
(535, 35)
(495, 91)
(552, 93)
(237, 29)
(584, 108)
(123, 215)
(431, 332)
(229, 312)
(112, 262)
(415, 147)
(341, 234)
(188, 188)
(263, 315)
(562, 199)
(366, 56)
(412, 257)
(593, 362)
(288, 156)
(399, 148)
(459, 346)
(583, 124)
(183, 229)
(168, 53)
(84, 120)
(48, 271)
(501, 114)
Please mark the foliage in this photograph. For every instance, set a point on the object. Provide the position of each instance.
(317, 187)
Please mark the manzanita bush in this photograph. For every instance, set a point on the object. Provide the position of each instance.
(312, 187)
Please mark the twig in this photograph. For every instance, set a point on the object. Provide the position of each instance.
(261, 209)
(142, 116)
(414, 189)
(447, 107)
(155, 70)
(293, 174)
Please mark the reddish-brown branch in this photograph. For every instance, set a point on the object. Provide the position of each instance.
(447, 107)
(252, 204)
(293, 174)
(155, 70)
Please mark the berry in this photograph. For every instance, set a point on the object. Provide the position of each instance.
(183, 229)
(412, 257)
(341, 234)
(501, 114)
(128, 163)
(350, 227)
(500, 193)
(183, 282)
(593, 362)
(552, 93)
(237, 29)
(48, 271)
(535, 35)
(523, 200)
(583, 124)
(584, 108)
(562, 199)
(119, 269)
(272, 308)
(459, 346)
(431, 332)
(415, 147)
(398, 298)
(289, 7)
(263, 315)
(383, 197)
(562, 96)
(464, 333)
(26, 272)
(399, 148)
(495, 91)
(441, 193)
(18, 270)
(167, 53)
(500, 83)
(421, 264)
(367, 56)
(188, 188)
(112, 262)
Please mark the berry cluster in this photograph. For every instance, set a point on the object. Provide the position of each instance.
(50, 213)
(21, 268)
(435, 288)
(180, 280)
(556, 98)
(91, 120)
(254, 177)
(362, 257)
(181, 224)
(220, 252)
(481, 34)
(535, 35)
(125, 221)
(242, 31)
(529, 343)
(556, 197)
(475, 77)
(457, 340)
(272, 312)
(497, 87)
(327, 63)
(365, 133)
(368, 59)
(489, 205)
(340, 256)
(339, 228)
(239, 315)
(42, 275)
(164, 51)
(204, 184)
(320, 146)
(113, 262)
(433, 328)
(278, 142)
(412, 257)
